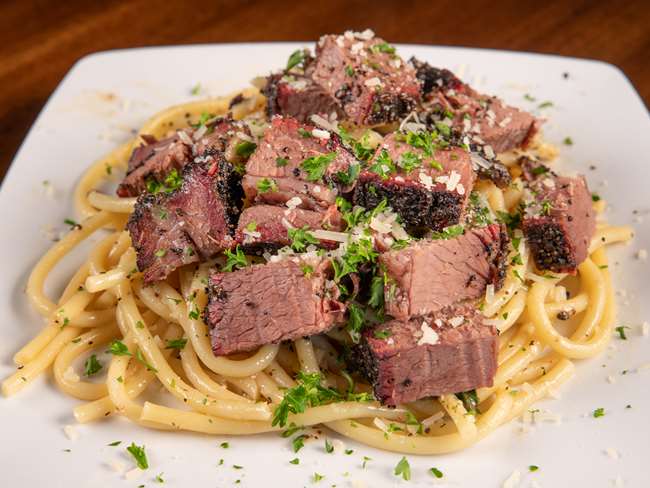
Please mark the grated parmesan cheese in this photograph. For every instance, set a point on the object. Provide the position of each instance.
(456, 321)
(642, 255)
(645, 329)
(70, 375)
(372, 82)
(320, 134)
(612, 453)
(380, 424)
(426, 179)
(429, 336)
(293, 202)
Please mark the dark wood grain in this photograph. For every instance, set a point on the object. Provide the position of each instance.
(40, 40)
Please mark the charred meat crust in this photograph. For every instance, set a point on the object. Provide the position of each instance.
(416, 205)
(550, 247)
(401, 369)
(159, 223)
(432, 78)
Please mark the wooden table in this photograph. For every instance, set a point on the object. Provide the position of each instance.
(40, 40)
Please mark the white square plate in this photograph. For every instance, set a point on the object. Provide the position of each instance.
(107, 94)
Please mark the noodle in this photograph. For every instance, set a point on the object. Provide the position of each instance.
(105, 300)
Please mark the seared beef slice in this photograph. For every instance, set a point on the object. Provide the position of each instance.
(453, 350)
(191, 223)
(431, 192)
(275, 172)
(356, 76)
(486, 118)
(559, 219)
(266, 227)
(372, 83)
(153, 160)
(268, 303)
(431, 274)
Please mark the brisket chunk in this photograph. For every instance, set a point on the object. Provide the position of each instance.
(192, 223)
(489, 121)
(299, 97)
(451, 351)
(153, 160)
(425, 189)
(431, 274)
(269, 303)
(276, 172)
(559, 220)
(266, 227)
(355, 76)
(372, 84)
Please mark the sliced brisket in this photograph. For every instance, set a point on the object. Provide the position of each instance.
(431, 274)
(266, 227)
(488, 120)
(191, 223)
(153, 161)
(276, 172)
(453, 350)
(299, 97)
(559, 220)
(269, 303)
(432, 191)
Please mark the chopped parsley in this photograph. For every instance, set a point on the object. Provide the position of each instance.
(363, 149)
(159, 478)
(245, 149)
(316, 166)
(383, 165)
(304, 133)
(449, 232)
(234, 260)
(470, 401)
(539, 170)
(355, 321)
(178, 344)
(318, 477)
(92, 366)
(294, 461)
(298, 442)
(382, 334)
(72, 223)
(568, 141)
(308, 393)
(621, 331)
(301, 238)
(280, 162)
(113, 444)
(139, 455)
(547, 206)
(409, 161)
(160, 253)
(224, 445)
(595, 197)
(143, 361)
(436, 472)
(532, 468)
(403, 469)
(329, 448)
(196, 89)
(377, 291)
(293, 428)
(307, 269)
(350, 176)
(349, 70)
(529, 97)
(365, 461)
(267, 184)
(545, 104)
(479, 213)
(599, 412)
(297, 58)
(383, 47)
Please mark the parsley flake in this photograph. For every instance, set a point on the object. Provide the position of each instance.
(92, 366)
(139, 455)
(403, 469)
